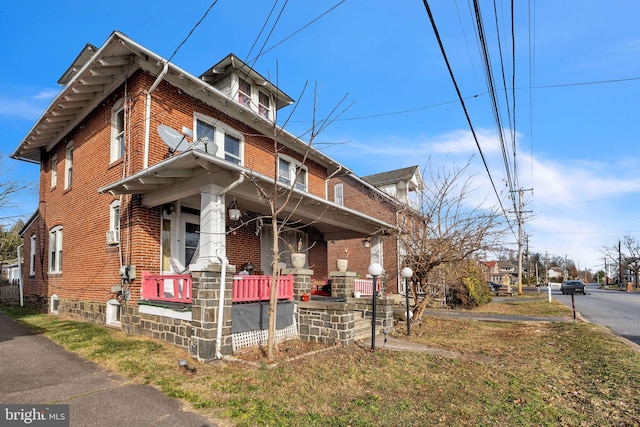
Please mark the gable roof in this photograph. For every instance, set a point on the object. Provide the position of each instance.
(409, 174)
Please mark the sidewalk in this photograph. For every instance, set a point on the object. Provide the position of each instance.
(34, 370)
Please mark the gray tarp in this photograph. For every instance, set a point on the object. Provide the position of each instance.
(255, 316)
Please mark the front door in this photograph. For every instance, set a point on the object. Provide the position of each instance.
(180, 237)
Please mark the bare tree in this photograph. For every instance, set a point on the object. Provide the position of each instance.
(625, 255)
(282, 205)
(444, 229)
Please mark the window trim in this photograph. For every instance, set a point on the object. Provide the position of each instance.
(220, 131)
(54, 170)
(68, 166)
(338, 200)
(32, 256)
(117, 146)
(55, 249)
(114, 223)
(245, 98)
(291, 180)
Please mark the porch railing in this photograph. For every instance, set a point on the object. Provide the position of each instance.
(177, 288)
(365, 286)
(166, 287)
(258, 288)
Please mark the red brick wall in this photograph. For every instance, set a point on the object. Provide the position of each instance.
(361, 198)
(91, 267)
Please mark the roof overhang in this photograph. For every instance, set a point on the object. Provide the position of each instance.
(95, 73)
(184, 175)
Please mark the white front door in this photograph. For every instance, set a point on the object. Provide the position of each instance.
(180, 237)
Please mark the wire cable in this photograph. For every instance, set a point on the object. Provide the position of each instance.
(466, 113)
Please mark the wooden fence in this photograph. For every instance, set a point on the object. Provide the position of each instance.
(9, 292)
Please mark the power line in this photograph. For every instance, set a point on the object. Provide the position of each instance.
(464, 107)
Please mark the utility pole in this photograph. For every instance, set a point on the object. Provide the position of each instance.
(520, 232)
(619, 264)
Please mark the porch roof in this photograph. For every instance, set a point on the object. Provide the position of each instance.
(182, 176)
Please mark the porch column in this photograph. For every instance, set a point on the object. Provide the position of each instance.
(212, 243)
(342, 284)
(301, 281)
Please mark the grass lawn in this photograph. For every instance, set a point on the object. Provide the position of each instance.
(525, 373)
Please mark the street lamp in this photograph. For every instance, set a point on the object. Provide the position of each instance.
(375, 270)
(407, 273)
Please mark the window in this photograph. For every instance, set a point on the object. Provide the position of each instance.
(113, 312)
(117, 131)
(114, 215)
(219, 134)
(32, 256)
(338, 195)
(263, 104)
(55, 250)
(290, 171)
(54, 303)
(54, 170)
(244, 95)
(68, 166)
(231, 149)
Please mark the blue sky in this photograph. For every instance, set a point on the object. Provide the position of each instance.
(576, 141)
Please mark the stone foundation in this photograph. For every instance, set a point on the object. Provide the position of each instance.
(167, 329)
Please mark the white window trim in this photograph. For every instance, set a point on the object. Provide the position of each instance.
(54, 302)
(68, 166)
(55, 239)
(293, 165)
(113, 224)
(338, 189)
(113, 312)
(117, 150)
(32, 256)
(54, 170)
(220, 129)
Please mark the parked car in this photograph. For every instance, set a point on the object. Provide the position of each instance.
(573, 287)
(493, 286)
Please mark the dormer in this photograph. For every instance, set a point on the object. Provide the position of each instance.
(398, 183)
(241, 83)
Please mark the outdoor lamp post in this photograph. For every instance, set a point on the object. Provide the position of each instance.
(375, 270)
(407, 273)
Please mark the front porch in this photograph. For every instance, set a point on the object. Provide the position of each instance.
(213, 319)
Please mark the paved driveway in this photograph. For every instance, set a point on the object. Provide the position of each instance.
(34, 370)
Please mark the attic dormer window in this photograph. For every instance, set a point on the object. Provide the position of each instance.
(264, 105)
(244, 94)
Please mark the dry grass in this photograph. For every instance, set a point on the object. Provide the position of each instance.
(555, 374)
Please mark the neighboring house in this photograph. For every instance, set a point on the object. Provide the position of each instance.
(555, 273)
(501, 272)
(10, 271)
(384, 196)
(140, 163)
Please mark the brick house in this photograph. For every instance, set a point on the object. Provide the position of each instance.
(387, 196)
(140, 164)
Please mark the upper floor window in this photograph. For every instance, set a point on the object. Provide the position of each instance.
(264, 104)
(338, 195)
(54, 170)
(291, 171)
(68, 166)
(222, 141)
(55, 250)
(244, 94)
(32, 256)
(117, 131)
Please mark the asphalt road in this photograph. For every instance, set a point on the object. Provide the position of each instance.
(617, 310)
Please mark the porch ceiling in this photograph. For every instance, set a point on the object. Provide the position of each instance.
(182, 177)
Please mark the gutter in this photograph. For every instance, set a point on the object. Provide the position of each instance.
(147, 119)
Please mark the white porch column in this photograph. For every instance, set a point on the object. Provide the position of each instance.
(212, 244)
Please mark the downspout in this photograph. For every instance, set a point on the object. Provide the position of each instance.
(20, 285)
(223, 278)
(147, 119)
